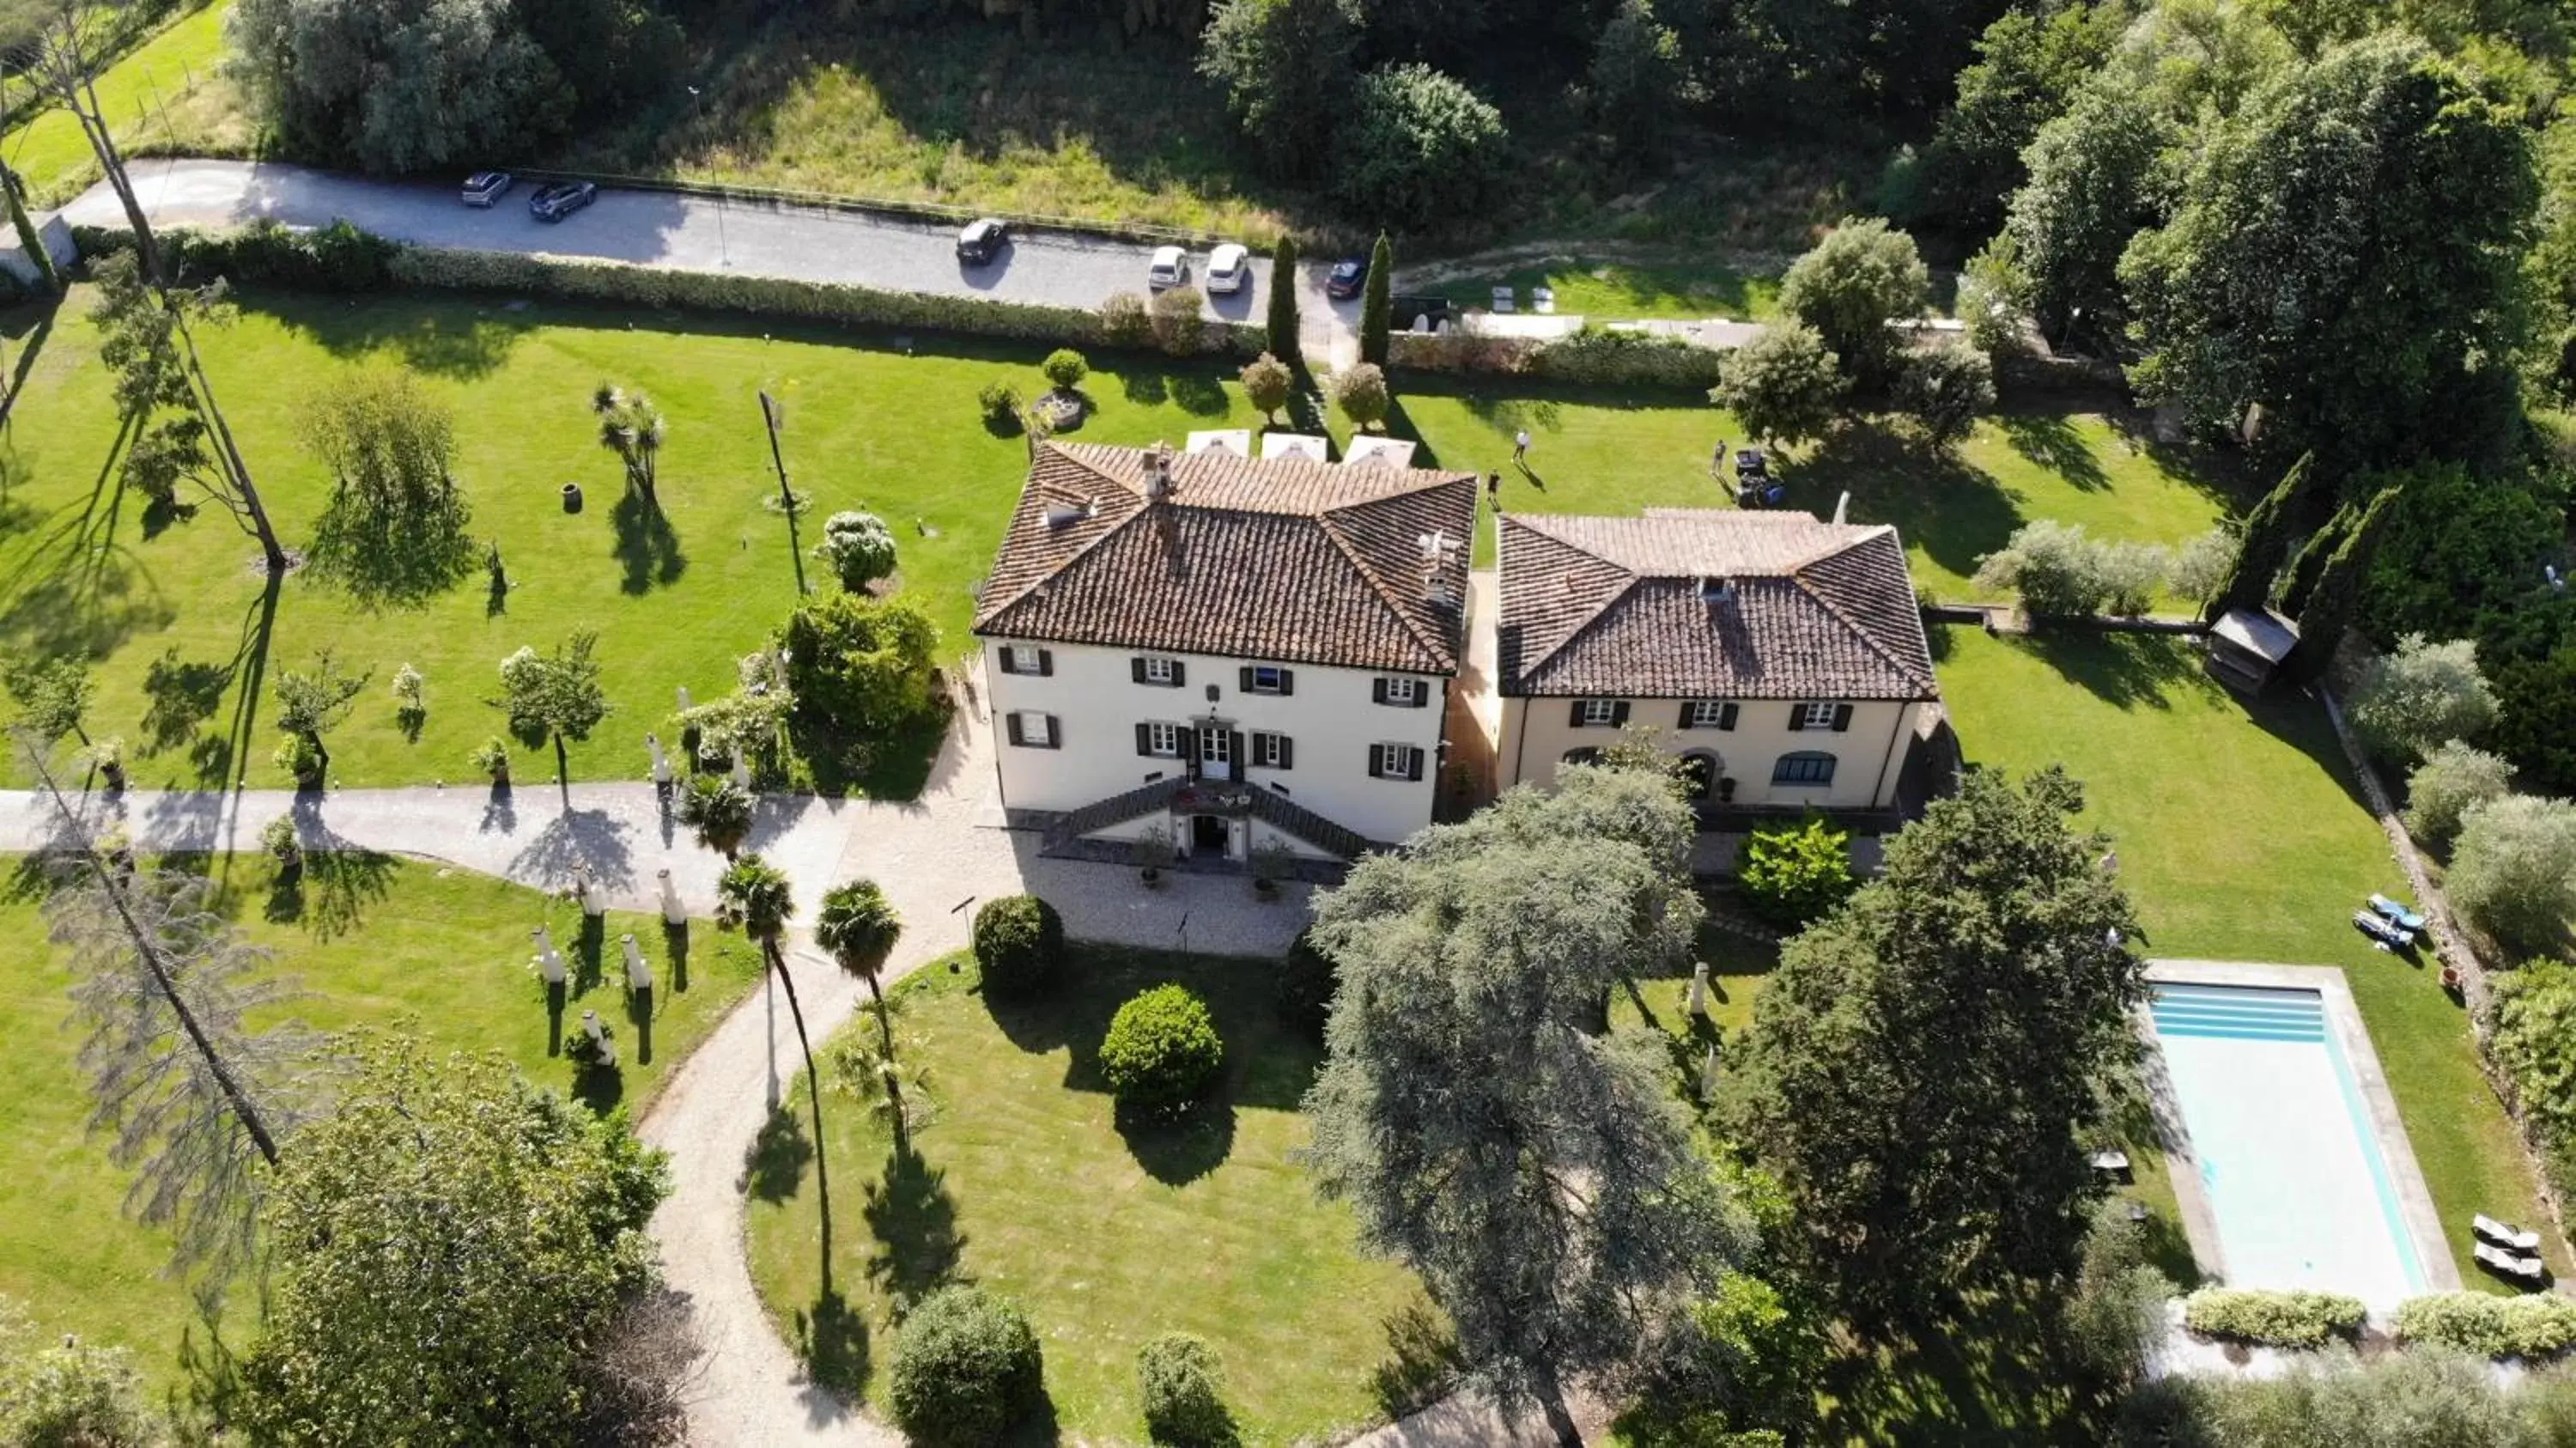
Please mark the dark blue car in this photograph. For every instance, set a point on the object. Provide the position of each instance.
(560, 199)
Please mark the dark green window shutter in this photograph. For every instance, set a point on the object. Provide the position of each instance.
(1046, 661)
(1577, 719)
(1619, 714)
(1377, 691)
(1246, 680)
(1287, 752)
(1136, 668)
(1180, 673)
(1797, 716)
(1416, 771)
(1144, 739)
(1011, 725)
(1726, 716)
(1287, 681)
(1688, 710)
(1842, 717)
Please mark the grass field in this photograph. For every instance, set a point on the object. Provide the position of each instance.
(1025, 1182)
(175, 615)
(1613, 291)
(372, 941)
(1595, 452)
(163, 95)
(2241, 838)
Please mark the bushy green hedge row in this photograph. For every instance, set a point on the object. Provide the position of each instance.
(2273, 1319)
(1594, 357)
(2498, 1327)
(342, 258)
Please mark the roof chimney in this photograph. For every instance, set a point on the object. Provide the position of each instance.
(1158, 472)
(1436, 548)
(1714, 588)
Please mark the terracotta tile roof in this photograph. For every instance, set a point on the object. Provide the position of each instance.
(1595, 607)
(1285, 559)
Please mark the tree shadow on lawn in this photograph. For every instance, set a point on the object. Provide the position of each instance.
(455, 337)
(1178, 1148)
(892, 764)
(1955, 513)
(1984, 1374)
(913, 1220)
(183, 696)
(648, 548)
(775, 1166)
(1267, 1066)
(2125, 670)
(328, 894)
(2052, 440)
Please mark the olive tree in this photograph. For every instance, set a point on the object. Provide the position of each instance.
(393, 88)
(1861, 277)
(2513, 872)
(1784, 385)
(554, 696)
(2409, 703)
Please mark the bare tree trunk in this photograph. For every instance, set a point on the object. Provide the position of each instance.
(67, 63)
(814, 1099)
(238, 470)
(1551, 1403)
(14, 187)
(885, 1025)
(244, 1109)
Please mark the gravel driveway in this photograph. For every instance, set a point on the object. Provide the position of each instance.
(654, 228)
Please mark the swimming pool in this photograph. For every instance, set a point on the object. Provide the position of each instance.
(2293, 1172)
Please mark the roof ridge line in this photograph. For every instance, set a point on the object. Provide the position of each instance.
(1533, 665)
(1850, 624)
(984, 615)
(1330, 527)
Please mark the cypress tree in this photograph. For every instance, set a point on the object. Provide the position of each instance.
(1377, 307)
(1283, 304)
(2337, 595)
(2312, 560)
(2265, 543)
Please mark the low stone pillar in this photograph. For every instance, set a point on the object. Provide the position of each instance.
(592, 1027)
(1699, 988)
(661, 761)
(550, 963)
(586, 889)
(673, 912)
(639, 971)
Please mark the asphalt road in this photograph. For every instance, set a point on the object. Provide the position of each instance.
(660, 229)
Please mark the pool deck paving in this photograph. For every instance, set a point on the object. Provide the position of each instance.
(2414, 1198)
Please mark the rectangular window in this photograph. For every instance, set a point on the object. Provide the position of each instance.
(1395, 761)
(1161, 671)
(1708, 714)
(1268, 679)
(1272, 751)
(1401, 692)
(1816, 716)
(1596, 713)
(1161, 741)
(1803, 768)
(1027, 659)
(1030, 729)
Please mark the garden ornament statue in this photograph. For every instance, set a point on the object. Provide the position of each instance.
(639, 971)
(661, 761)
(673, 913)
(1699, 988)
(550, 963)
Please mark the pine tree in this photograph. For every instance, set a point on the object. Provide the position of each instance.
(2338, 592)
(1283, 301)
(1377, 307)
(2313, 558)
(2265, 543)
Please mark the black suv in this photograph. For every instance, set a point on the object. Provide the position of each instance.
(1347, 277)
(557, 200)
(982, 240)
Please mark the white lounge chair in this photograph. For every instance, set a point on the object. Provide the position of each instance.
(2512, 1264)
(1543, 300)
(1503, 299)
(2497, 1232)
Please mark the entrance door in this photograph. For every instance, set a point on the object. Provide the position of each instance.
(1208, 834)
(1699, 776)
(1216, 753)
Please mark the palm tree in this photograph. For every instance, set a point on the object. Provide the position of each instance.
(719, 810)
(859, 926)
(631, 427)
(755, 895)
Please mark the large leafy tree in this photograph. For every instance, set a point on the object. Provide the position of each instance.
(395, 529)
(2346, 256)
(2029, 64)
(1862, 276)
(2097, 175)
(392, 87)
(1286, 66)
(1641, 85)
(554, 696)
(1535, 1171)
(1419, 149)
(453, 1256)
(1923, 1070)
(1784, 385)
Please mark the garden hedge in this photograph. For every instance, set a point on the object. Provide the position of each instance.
(966, 1367)
(1595, 356)
(2539, 1326)
(342, 258)
(2273, 1319)
(1162, 1050)
(1019, 945)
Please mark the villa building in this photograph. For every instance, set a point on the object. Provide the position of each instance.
(1782, 658)
(1248, 653)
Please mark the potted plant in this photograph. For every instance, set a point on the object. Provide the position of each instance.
(1154, 853)
(1726, 789)
(282, 845)
(492, 757)
(1270, 863)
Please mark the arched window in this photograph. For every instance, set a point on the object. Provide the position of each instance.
(1804, 767)
(1582, 756)
(1698, 772)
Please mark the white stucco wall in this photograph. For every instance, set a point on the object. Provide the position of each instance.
(1331, 717)
(1537, 735)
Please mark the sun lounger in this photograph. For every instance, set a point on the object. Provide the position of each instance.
(2385, 934)
(2512, 1264)
(2396, 913)
(2504, 1234)
(1503, 299)
(1543, 300)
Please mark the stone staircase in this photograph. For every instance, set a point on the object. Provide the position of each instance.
(1268, 806)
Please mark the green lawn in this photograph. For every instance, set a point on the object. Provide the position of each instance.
(164, 94)
(372, 941)
(1596, 452)
(2241, 838)
(174, 614)
(1026, 1183)
(1616, 291)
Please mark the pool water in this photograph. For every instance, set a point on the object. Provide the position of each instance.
(2291, 1167)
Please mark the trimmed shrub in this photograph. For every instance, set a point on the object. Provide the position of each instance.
(1019, 945)
(1000, 403)
(297, 756)
(858, 546)
(2514, 871)
(1792, 873)
(2061, 573)
(966, 1367)
(1304, 994)
(2273, 1319)
(1065, 368)
(1363, 395)
(1162, 1050)
(1597, 356)
(1179, 321)
(1784, 385)
(1124, 321)
(1182, 1387)
(2537, 1326)
(2117, 1313)
(2444, 788)
(1267, 383)
(2412, 702)
(334, 258)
